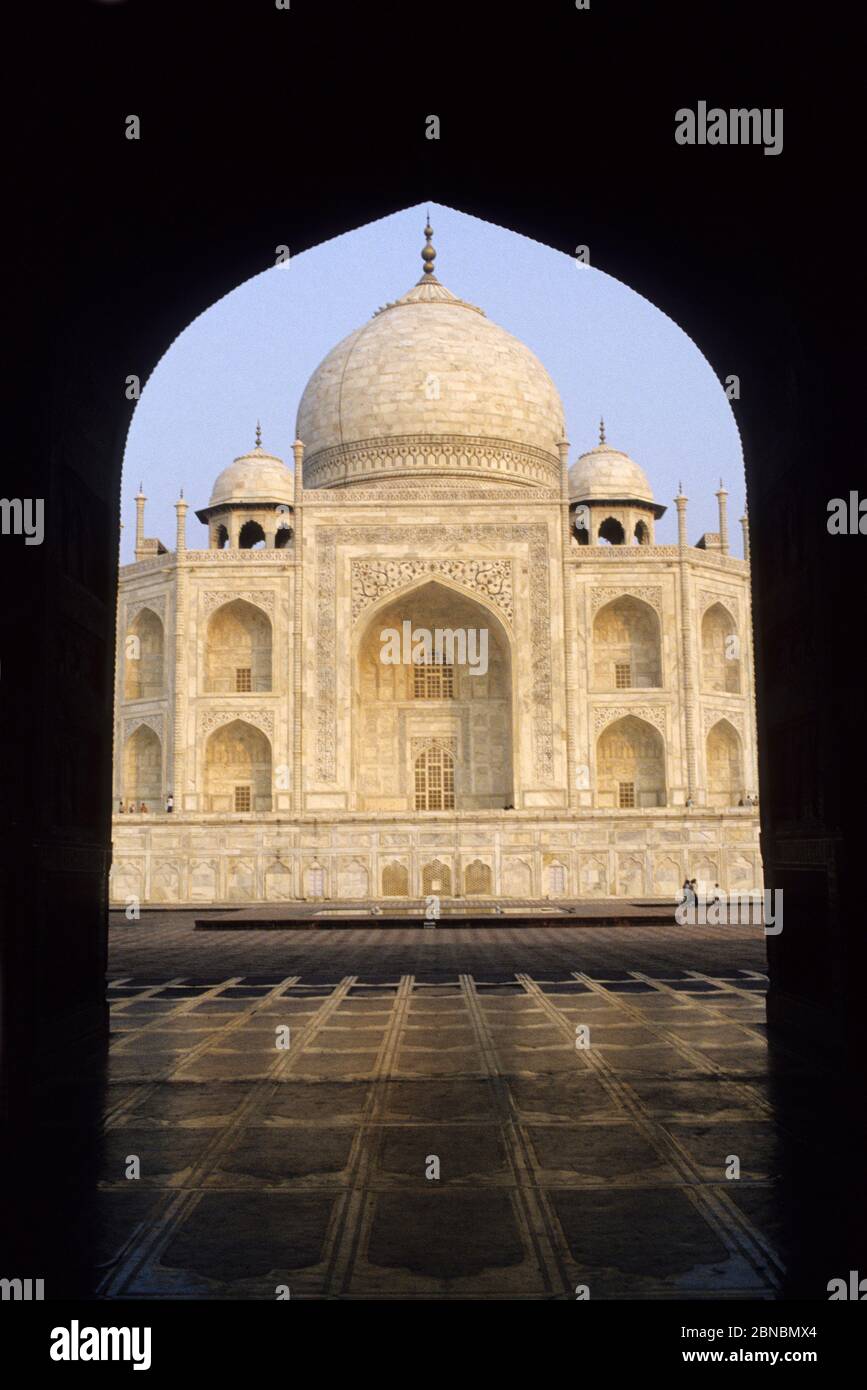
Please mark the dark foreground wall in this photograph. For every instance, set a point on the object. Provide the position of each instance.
(297, 128)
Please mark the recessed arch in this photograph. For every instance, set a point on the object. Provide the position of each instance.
(555, 877)
(395, 880)
(353, 880)
(720, 650)
(143, 656)
(630, 765)
(725, 765)
(478, 879)
(143, 769)
(238, 649)
(627, 645)
(237, 760)
(436, 879)
(399, 706)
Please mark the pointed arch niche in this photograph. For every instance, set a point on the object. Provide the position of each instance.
(630, 765)
(725, 765)
(237, 769)
(143, 657)
(627, 647)
(720, 651)
(143, 768)
(401, 711)
(238, 650)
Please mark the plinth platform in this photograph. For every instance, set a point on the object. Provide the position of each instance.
(613, 912)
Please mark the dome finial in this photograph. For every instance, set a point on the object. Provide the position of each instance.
(428, 254)
(601, 431)
(258, 435)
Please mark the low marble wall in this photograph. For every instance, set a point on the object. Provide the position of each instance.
(186, 859)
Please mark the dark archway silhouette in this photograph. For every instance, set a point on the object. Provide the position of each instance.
(194, 209)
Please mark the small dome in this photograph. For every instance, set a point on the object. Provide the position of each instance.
(604, 474)
(254, 477)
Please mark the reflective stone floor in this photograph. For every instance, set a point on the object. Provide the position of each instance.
(437, 1113)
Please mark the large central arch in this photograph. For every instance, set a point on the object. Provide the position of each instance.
(398, 715)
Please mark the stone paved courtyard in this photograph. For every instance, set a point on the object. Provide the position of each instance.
(558, 1165)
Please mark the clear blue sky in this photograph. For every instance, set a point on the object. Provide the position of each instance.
(609, 351)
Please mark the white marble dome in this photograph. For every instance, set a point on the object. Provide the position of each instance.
(604, 474)
(254, 477)
(430, 365)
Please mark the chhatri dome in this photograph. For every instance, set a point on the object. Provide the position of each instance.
(430, 367)
(604, 474)
(252, 478)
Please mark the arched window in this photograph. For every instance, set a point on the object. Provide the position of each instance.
(477, 878)
(436, 879)
(642, 533)
(434, 780)
(283, 537)
(221, 537)
(315, 881)
(251, 536)
(555, 880)
(395, 880)
(612, 531)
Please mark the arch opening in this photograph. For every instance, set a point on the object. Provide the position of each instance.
(143, 769)
(251, 536)
(724, 761)
(612, 532)
(433, 734)
(238, 650)
(627, 646)
(630, 765)
(238, 769)
(143, 665)
(720, 651)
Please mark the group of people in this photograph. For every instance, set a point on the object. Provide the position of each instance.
(130, 808)
(689, 892)
(744, 801)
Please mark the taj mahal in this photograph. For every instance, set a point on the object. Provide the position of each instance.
(265, 751)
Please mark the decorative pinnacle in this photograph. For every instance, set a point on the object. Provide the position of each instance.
(428, 254)
(258, 435)
(601, 431)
